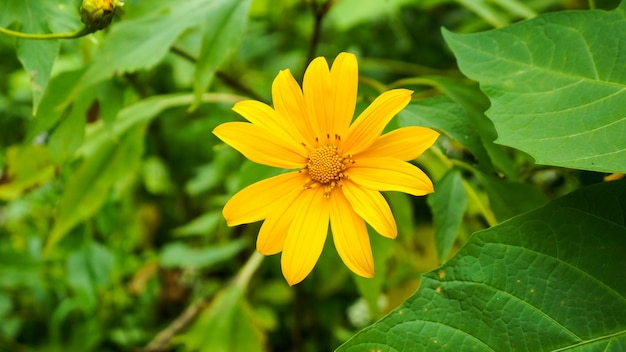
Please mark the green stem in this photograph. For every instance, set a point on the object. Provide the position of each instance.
(245, 274)
(471, 193)
(474, 198)
(71, 35)
(592, 5)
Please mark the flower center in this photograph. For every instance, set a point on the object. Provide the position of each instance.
(325, 165)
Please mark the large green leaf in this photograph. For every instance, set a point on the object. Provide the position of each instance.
(557, 84)
(546, 280)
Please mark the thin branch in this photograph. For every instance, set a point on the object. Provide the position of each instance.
(160, 342)
(71, 35)
(319, 12)
(162, 339)
(224, 77)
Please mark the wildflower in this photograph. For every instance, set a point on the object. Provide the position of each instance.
(339, 168)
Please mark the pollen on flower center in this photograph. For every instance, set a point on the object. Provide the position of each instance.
(325, 165)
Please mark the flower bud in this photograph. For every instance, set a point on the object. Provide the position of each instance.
(97, 14)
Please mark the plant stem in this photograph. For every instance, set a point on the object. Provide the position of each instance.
(592, 4)
(43, 36)
(318, 12)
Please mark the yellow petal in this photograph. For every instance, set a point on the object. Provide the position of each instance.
(370, 124)
(306, 236)
(258, 200)
(271, 238)
(261, 145)
(372, 207)
(317, 95)
(289, 103)
(344, 78)
(405, 143)
(350, 236)
(262, 115)
(389, 174)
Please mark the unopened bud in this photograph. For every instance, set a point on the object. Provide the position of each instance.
(97, 14)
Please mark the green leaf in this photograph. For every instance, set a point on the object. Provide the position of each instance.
(224, 29)
(205, 224)
(346, 14)
(27, 166)
(89, 269)
(88, 187)
(474, 102)
(226, 325)
(142, 113)
(448, 116)
(511, 198)
(557, 84)
(156, 176)
(36, 56)
(448, 205)
(542, 281)
(70, 133)
(142, 42)
(178, 254)
(50, 110)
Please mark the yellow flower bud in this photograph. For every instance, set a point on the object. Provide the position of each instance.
(97, 14)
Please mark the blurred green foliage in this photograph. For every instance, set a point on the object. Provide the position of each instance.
(112, 184)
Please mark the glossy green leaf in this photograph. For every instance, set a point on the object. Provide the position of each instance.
(224, 29)
(542, 281)
(88, 188)
(557, 84)
(448, 205)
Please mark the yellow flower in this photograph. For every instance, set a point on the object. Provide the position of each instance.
(339, 168)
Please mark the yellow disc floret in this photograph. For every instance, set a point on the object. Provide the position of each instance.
(325, 164)
(325, 167)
